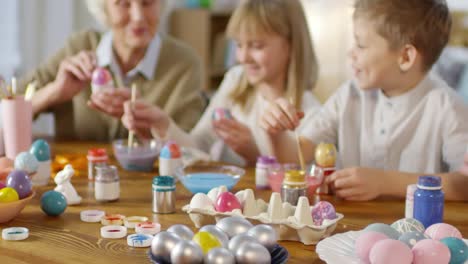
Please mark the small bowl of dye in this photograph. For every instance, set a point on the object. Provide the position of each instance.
(314, 176)
(140, 157)
(204, 177)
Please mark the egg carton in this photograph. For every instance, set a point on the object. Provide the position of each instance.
(292, 223)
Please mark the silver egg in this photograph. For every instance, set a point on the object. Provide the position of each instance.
(182, 231)
(186, 252)
(220, 256)
(234, 225)
(265, 235)
(218, 233)
(162, 245)
(252, 253)
(237, 241)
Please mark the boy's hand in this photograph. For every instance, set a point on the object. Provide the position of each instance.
(357, 184)
(279, 116)
(237, 136)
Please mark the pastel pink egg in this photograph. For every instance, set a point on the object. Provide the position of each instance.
(442, 230)
(389, 251)
(365, 242)
(430, 251)
(101, 76)
(227, 202)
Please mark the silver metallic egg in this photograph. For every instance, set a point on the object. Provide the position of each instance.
(218, 233)
(183, 231)
(252, 253)
(220, 256)
(186, 252)
(234, 225)
(265, 235)
(237, 241)
(162, 245)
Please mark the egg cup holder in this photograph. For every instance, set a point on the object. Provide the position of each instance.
(292, 223)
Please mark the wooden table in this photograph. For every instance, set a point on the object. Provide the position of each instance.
(65, 239)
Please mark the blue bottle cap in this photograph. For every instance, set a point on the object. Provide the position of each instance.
(429, 181)
(163, 181)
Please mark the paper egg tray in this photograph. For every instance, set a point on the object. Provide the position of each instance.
(287, 227)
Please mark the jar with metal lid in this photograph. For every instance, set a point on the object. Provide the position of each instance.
(164, 196)
(96, 158)
(294, 186)
(107, 184)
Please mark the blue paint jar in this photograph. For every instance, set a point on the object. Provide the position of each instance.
(429, 201)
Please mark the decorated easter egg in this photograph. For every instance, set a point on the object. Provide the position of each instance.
(411, 238)
(20, 181)
(221, 113)
(365, 242)
(239, 240)
(27, 162)
(53, 203)
(389, 251)
(219, 256)
(170, 151)
(387, 230)
(206, 241)
(325, 155)
(41, 150)
(201, 201)
(442, 230)
(101, 77)
(8, 195)
(183, 231)
(227, 202)
(429, 251)
(186, 252)
(265, 235)
(321, 211)
(458, 250)
(234, 225)
(252, 253)
(162, 245)
(406, 225)
(218, 233)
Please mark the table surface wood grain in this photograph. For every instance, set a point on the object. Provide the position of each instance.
(66, 239)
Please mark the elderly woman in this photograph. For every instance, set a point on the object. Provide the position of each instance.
(166, 72)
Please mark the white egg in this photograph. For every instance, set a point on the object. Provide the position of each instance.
(201, 201)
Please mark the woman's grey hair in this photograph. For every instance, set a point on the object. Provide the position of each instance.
(97, 8)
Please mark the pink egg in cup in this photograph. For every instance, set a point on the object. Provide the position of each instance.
(227, 202)
(430, 251)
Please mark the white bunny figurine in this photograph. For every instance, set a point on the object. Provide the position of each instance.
(64, 186)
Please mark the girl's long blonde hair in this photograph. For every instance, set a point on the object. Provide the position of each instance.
(286, 18)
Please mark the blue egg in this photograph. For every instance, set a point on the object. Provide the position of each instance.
(458, 250)
(53, 203)
(384, 229)
(27, 162)
(411, 238)
(41, 150)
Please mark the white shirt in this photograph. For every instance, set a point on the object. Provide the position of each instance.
(147, 66)
(422, 131)
(203, 136)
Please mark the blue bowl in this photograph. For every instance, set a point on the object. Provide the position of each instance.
(204, 177)
(140, 157)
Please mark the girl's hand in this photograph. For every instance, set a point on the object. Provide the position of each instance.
(280, 116)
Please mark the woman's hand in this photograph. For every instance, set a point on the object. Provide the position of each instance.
(280, 116)
(237, 136)
(110, 101)
(73, 75)
(141, 117)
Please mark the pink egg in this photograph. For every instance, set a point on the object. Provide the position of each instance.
(365, 242)
(429, 251)
(442, 230)
(101, 76)
(227, 202)
(389, 251)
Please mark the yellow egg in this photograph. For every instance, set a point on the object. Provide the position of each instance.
(8, 194)
(325, 155)
(206, 241)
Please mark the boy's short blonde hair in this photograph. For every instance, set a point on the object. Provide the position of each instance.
(287, 19)
(425, 24)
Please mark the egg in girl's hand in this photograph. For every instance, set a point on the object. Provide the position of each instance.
(41, 150)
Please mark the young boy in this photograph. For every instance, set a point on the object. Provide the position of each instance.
(395, 121)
